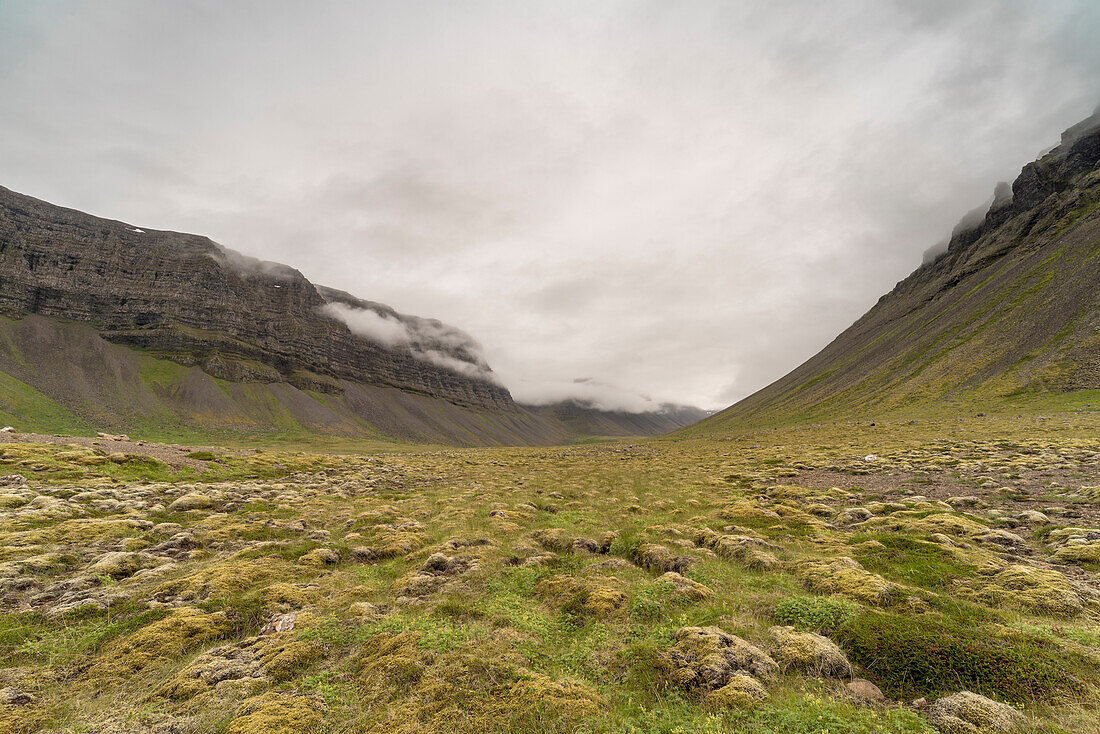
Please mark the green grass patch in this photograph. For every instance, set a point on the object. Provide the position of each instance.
(911, 561)
(30, 638)
(818, 614)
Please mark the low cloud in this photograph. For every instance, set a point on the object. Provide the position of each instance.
(376, 327)
(1002, 194)
(425, 339)
(587, 392)
(252, 267)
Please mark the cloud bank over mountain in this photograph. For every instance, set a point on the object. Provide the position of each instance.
(682, 200)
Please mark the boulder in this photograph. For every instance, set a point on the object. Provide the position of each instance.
(808, 653)
(852, 515)
(1002, 538)
(120, 564)
(281, 623)
(11, 501)
(742, 690)
(709, 657)
(970, 713)
(864, 691)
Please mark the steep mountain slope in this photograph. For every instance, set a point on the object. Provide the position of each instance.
(1010, 310)
(195, 302)
(108, 326)
(64, 377)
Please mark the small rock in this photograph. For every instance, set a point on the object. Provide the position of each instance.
(15, 697)
(7, 429)
(742, 690)
(281, 623)
(319, 557)
(363, 554)
(864, 691)
(191, 501)
(968, 501)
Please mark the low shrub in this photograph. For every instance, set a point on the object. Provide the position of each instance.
(815, 613)
(923, 656)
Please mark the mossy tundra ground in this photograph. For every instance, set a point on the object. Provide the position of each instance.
(748, 583)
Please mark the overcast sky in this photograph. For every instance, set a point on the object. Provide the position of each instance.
(681, 199)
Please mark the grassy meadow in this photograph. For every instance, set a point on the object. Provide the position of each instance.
(590, 588)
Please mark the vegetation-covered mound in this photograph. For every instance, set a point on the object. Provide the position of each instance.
(855, 579)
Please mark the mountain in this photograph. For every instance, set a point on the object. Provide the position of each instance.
(186, 298)
(108, 326)
(585, 419)
(1008, 312)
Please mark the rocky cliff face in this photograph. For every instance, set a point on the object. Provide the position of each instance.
(186, 298)
(1010, 309)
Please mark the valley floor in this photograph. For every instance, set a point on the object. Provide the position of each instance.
(766, 581)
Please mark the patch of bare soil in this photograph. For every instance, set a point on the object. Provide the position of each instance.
(1031, 491)
(172, 454)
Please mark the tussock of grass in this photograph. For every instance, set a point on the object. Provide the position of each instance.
(544, 590)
